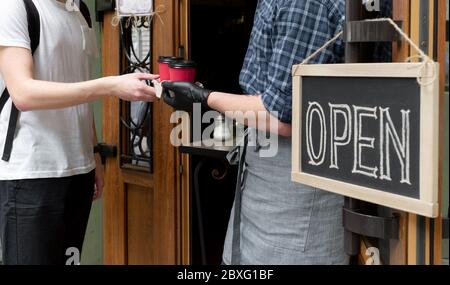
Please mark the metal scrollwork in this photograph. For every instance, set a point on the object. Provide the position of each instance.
(221, 174)
(136, 117)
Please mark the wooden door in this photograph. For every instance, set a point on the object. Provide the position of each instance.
(142, 219)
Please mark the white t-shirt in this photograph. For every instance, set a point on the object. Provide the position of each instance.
(49, 143)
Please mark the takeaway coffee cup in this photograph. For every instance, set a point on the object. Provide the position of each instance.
(164, 62)
(183, 70)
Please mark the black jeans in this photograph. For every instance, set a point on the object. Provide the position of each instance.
(40, 219)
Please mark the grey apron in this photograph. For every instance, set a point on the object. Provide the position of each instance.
(276, 221)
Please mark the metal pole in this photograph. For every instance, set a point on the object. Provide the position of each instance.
(354, 53)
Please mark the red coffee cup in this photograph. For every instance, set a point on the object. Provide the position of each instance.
(164, 62)
(183, 70)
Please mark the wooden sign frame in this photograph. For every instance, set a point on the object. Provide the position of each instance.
(427, 205)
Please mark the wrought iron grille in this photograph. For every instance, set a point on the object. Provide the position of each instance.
(136, 117)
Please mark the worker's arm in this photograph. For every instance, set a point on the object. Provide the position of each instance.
(236, 105)
(248, 110)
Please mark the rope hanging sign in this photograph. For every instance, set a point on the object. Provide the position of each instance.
(369, 131)
(428, 65)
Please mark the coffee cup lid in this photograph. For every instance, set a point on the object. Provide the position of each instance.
(169, 59)
(183, 64)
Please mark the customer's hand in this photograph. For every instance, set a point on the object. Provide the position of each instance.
(99, 178)
(182, 95)
(133, 87)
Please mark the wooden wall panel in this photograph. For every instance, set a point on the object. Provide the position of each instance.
(165, 168)
(184, 211)
(435, 37)
(399, 248)
(441, 48)
(412, 219)
(114, 211)
(401, 12)
(140, 225)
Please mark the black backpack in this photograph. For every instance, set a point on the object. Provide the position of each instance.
(34, 31)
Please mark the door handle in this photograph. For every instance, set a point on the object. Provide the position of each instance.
(181, 52)
(445, 228)
(105, 151)
(371, 226)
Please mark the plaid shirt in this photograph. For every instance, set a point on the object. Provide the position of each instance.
(284, 33)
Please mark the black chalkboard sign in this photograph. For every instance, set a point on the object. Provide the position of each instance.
(368, 131)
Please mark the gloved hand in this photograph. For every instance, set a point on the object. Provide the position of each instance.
(185, 94)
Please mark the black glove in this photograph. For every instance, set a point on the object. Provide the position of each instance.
(185, 94)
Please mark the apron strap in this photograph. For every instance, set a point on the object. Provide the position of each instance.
(237, 156)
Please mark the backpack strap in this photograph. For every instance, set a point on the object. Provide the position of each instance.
(84, 9)
(3, 100)
(34, 25)
(13, 118)
(34, 31)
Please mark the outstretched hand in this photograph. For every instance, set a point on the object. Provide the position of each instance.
(134, 87)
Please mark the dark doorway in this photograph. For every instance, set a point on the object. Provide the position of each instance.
(219, 36)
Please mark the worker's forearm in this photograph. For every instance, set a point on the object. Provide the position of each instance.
(37, 95)
(230, 103)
